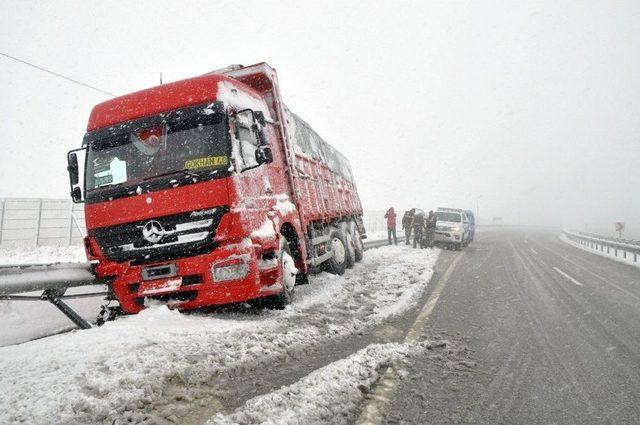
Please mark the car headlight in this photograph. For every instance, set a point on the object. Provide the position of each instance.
(234, 269)
(456, 229)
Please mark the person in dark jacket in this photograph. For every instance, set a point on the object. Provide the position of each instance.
(391, 225)
(431, 229)
(407, 224)
(418, 229)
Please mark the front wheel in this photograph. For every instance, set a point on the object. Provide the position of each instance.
(288, 274)
(337, 264)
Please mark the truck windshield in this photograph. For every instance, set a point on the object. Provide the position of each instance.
(196, 147)
(448, 216)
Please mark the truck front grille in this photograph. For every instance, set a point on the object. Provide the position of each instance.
(161, 238)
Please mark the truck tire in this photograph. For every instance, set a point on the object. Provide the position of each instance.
(357, 241)
(288, 278)
(351, 246)
(337, 264)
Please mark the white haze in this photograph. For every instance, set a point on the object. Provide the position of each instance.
(531, 110)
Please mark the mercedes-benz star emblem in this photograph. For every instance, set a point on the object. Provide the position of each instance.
(152, 231)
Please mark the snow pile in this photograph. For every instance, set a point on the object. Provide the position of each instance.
(42, 254)
(389, 281)
(330, 395)
(124, 370)
(266, 230)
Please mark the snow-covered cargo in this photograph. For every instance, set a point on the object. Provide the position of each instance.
(210, 191)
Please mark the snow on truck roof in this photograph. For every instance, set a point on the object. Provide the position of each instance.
(175, 95)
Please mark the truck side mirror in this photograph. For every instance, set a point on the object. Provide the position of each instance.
(264, 155)
(72, 168)
(259, 117)
(76, 194)
(74, 175)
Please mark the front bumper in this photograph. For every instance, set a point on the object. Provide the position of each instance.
(192, 285)
(448, 236)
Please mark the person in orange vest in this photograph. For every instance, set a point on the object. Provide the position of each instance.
(391, 225)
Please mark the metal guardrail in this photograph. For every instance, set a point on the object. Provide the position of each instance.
(53, 280)
(379, 242)
(612, 239)
(618, 248)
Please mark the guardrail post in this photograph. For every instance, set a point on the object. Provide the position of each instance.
(71, 225)
(38, 222)
(1, 218)
(53, 296)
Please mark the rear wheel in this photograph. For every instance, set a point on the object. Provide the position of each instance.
(357, 242)
(351, 246)
(337, 264)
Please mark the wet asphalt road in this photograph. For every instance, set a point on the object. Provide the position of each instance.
(541, 333)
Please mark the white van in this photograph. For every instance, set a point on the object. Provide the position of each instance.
(452, 227)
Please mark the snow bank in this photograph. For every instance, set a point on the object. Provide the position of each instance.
(330, 395)
(122, 370)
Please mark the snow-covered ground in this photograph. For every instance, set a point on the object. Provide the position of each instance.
(330, 395)
(124, 370)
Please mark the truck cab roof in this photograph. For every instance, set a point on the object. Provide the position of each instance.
(166, 97)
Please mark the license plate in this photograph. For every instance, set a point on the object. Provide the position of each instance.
(160, 286)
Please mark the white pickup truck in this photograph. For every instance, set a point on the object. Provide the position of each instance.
(452, 227)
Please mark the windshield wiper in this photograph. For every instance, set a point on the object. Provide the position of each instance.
(184, 171)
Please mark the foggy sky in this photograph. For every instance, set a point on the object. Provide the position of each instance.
(531, 111)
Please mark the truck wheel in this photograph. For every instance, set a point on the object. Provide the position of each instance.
(288, 274)
(357, 241)
(108, 314)
(337, 264)
(351, 247)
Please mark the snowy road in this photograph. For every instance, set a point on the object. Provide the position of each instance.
(161, 366)
(545, 333)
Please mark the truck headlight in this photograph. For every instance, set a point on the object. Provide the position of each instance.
(456, 229)
(234, 269)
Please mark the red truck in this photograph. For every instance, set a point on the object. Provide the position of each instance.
(209, 191)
